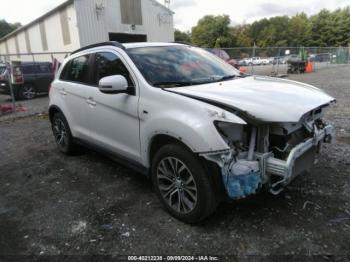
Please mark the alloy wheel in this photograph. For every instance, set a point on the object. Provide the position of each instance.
(60, 132)
(177, 185)
(28, 92)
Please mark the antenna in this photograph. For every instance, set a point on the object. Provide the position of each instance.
(167, 3)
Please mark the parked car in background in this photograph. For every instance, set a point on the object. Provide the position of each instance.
(292, 58)
(198, 128)
(3, 76)
(246, 61)
(37, 79)
(279, 60)
(264, 61)
(323, 57)
(270, 59)
(254, 61)
(224, 56)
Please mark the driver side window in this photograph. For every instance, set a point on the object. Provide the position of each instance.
(108, 64)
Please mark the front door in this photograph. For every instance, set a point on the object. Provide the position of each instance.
(113, 118)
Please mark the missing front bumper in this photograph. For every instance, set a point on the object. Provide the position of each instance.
(299, 159)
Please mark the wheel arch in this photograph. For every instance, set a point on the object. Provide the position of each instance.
(161, 139)
(53, 110)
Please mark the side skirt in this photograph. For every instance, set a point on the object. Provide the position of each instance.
(124, 161)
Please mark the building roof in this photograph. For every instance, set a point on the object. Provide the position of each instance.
(58, 8)
(163, 6)
(61, 6)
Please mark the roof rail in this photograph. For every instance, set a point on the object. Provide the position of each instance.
(183, 42)
(109, 43)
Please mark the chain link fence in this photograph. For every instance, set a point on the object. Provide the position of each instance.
(37, 70)
(274, 60)
(50, 57)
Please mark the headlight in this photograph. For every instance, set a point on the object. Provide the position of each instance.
(231, 133)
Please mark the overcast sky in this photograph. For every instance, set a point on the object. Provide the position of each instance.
(187, 12)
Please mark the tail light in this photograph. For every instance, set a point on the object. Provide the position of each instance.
(19, 79)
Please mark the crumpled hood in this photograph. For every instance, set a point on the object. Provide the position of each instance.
(265, 98)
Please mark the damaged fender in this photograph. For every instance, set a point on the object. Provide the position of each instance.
(195, 128)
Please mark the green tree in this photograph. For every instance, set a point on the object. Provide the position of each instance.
(6, 28)
(241, 36)
(182, 36)
(212, 31)
(323, 29)
(320, 28)
(279, 24)
(299, 30)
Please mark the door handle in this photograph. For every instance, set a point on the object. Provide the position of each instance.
(63, 92)
(91, 101)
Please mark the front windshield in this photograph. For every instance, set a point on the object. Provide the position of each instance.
(176, 65)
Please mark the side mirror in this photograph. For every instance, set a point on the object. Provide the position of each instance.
(115, 84)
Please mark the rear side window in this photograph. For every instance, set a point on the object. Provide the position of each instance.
(108, 64)
(29, 69)
(76, 70)
(44, 69)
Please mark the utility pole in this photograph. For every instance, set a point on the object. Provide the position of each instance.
(253, 55)
(9, 77)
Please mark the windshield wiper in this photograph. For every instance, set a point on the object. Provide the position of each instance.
(228, 77)
(196, 82)
(173, 83)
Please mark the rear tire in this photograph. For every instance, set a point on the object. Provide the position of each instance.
(26, 92)
(62, 134)
(182, 184)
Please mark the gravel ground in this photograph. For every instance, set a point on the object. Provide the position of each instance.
(51, 204)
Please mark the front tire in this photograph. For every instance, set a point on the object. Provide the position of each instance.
(182, 184)
(62, 134)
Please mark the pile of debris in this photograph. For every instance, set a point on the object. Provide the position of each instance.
(9, 108)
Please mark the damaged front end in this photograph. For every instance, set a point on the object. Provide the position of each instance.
(269, 154)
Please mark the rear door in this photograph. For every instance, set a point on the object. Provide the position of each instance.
(29, 73)
(72, 87)
(44, 77)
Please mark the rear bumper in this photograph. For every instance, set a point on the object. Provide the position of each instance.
(287, 169)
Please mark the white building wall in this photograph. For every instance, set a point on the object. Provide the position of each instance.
(53, 35)
(158, 22)
(11, 45)
(2, 52)
(87, 27)
(54, 32)
(73, 29)
(23, 47)
(35, 38)
(91, 28)
(22, 43)
(95, 28)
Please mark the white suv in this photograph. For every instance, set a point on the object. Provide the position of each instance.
(202, 131)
